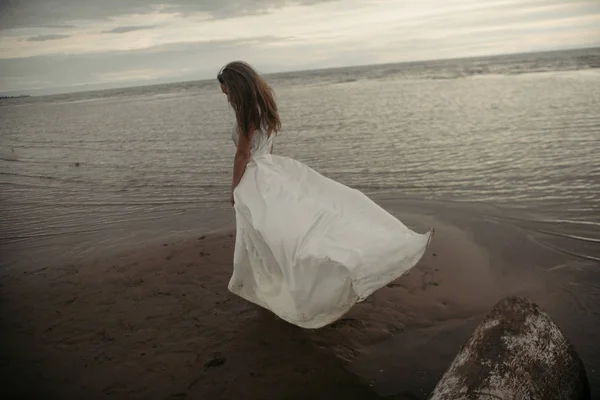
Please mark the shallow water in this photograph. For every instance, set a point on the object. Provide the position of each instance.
(528, 139)
(512, 141)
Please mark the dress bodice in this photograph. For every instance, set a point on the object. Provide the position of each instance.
(261, 143)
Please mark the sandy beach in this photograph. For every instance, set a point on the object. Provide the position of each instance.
(159, 323)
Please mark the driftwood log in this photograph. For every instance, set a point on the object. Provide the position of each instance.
(517, 352)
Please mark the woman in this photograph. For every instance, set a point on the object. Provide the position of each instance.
(307, 248)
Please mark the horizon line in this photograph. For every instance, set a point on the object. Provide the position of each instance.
(16, 93)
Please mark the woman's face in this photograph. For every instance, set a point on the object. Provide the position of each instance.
(224, 90)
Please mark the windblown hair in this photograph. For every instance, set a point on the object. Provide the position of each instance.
(251, 98)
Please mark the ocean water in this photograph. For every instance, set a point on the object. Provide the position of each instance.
(519, 132)
(513, 139)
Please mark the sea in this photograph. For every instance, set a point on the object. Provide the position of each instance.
(514, 138)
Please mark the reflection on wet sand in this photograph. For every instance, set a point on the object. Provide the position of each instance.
(159, 320)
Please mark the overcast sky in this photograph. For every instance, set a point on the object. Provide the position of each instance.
(58, 45)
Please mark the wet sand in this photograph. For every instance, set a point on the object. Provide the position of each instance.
(159, 323)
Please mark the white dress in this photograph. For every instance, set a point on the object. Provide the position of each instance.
(308, 248)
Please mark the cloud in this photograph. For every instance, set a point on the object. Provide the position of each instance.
(134, 75)
(191, 39)
(187, 61)
(44, 38)
(125, 29)
(58, 26)
(35, 13)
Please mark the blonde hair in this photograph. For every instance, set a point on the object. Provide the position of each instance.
(251, 97)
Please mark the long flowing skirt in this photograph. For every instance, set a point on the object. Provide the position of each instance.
(308, 248)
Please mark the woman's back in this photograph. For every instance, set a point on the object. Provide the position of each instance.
(260, 144)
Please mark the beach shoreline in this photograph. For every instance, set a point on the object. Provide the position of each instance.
(499, 155)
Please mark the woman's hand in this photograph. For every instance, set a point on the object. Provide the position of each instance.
(232, 200)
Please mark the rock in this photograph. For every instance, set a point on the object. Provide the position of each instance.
(517, 352)
(215, 362)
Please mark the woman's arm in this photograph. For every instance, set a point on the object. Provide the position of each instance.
(242, 156)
